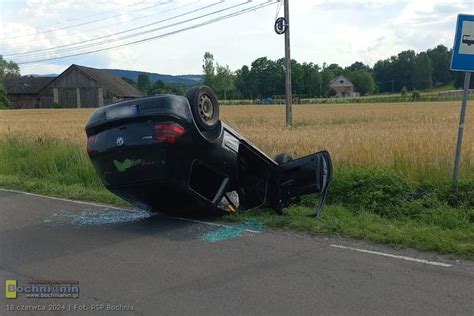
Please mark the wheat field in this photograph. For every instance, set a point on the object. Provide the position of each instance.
(416, 138)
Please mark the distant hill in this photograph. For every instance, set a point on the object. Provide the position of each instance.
(187, 80)
(197, 78)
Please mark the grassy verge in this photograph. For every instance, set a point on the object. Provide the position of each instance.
(383, 206)
(51, 167)
(367, 203)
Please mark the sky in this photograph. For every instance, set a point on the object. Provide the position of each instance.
(331, 31)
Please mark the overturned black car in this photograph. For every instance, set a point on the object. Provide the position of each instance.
(172, 154)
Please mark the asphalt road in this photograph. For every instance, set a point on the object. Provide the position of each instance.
(161, 265)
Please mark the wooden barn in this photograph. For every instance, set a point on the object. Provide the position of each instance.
(80, 86)
(24, 92)
(343, 87)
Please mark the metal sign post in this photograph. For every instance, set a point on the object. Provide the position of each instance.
(463, 60)
(457, 160)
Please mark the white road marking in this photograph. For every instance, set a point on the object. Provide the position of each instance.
(123, 209)
(433, 263)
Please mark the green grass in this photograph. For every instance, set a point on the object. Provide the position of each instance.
(74, 191)
(342, 221)
(52, 167)
(368, 203)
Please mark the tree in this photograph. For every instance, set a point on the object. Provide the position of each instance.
(158, 87)
(177, 89)
(7, 70)
(208, 69)
(383, 74)
(336, 69)
(243, 83)
(311, 80)
(357, 66)
(4, 102)
(143, 83)
(394, 73)
(266, 77)
(404, 92)
(327, 75)
(440, 58)
(279, 76)
(422, 78)
(415, 95)
(129, 81)
(402, 72)
(297, 80)
(223, 81)
(363, 81)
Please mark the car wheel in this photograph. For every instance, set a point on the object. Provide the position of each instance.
(204, 106)
(283, 158)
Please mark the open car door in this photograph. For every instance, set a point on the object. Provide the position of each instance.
(306, 175)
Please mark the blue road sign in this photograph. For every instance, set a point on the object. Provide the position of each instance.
(463, 52)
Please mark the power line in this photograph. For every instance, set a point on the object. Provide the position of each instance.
(228, 16)
(101, 28)
(88, 22)
(66, 50)
(92, 15)
(34, 52)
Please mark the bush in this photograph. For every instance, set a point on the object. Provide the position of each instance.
(404, 92)
(375, 190)
(415, 96)
(4, 102)
(392, 195)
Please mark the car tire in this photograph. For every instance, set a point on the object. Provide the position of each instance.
(283, 158)
(204, 106)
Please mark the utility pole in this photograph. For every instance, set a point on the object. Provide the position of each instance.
(289, 99)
